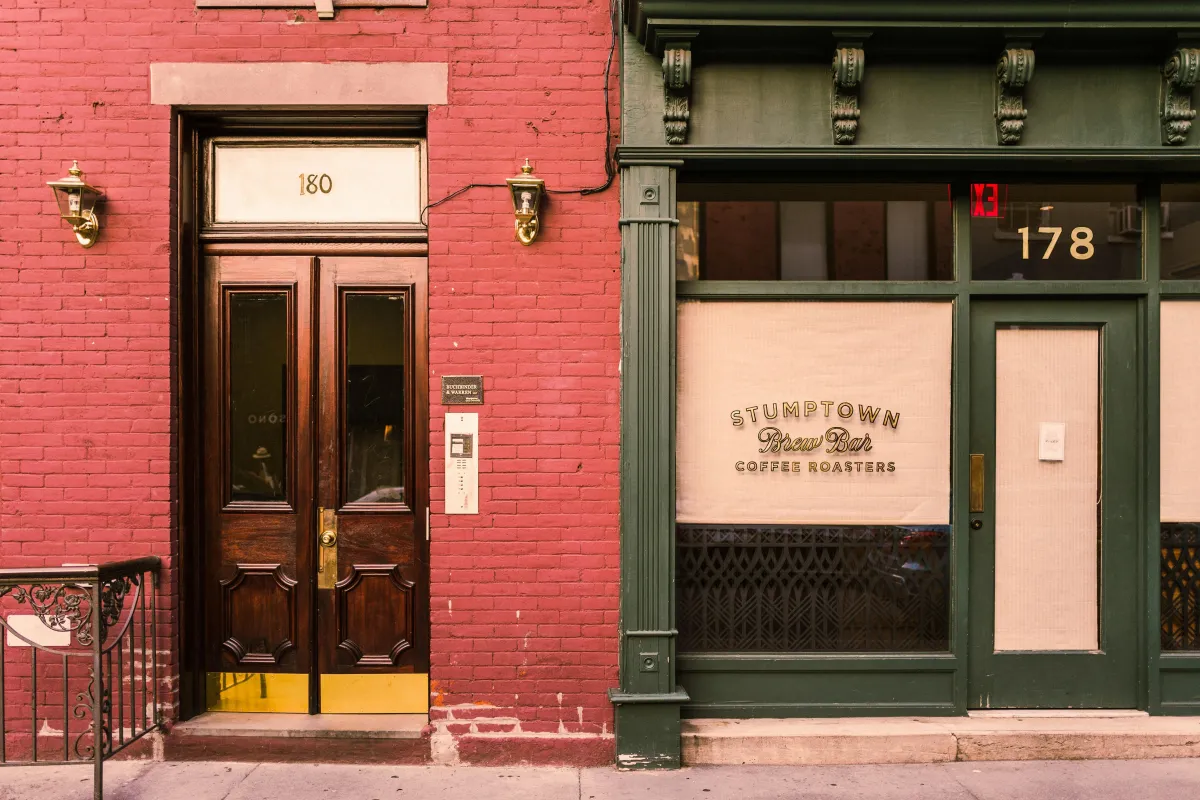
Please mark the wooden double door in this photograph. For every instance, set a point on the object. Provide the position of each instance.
(315, 483)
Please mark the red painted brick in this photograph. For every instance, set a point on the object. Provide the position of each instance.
(88, 436)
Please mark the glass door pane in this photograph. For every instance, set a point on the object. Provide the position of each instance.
(258, 397)
(374, 386)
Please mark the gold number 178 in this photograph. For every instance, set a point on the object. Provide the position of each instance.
(1081, 242)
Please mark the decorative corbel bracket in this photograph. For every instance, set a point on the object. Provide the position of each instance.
(1013, 73)
(848, 67)
(1179, 76)
(677, 88)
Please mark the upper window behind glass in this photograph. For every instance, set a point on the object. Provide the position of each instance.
(1066, 233)
(814, 233)
(1180, 250)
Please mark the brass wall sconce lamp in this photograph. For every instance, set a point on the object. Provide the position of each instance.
(527, 192)
(77, 203)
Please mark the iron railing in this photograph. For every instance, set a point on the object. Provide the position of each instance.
(78, 662)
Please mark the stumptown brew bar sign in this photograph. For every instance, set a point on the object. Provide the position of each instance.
(843, 450)
(813, 413)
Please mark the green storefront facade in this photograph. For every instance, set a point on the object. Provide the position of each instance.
(906, 386)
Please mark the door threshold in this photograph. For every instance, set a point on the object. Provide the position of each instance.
(304, 726)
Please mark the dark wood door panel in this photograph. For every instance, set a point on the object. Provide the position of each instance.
(375, 619)
(257, 379)
(375, 610)
(259, 538)
(259, 616)
(374, 538)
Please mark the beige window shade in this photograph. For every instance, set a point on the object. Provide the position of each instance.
(1179, 421)
(1047, 512)
(887, 364)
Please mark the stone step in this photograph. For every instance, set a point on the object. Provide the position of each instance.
(305, 726)
(984, 736)
(321, 738)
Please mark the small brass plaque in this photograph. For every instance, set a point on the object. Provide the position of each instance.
(462, 390)
(977, 476)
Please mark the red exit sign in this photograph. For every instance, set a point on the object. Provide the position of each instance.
(987, 199)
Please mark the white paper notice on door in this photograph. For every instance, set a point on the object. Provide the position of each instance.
(1052, 441)
(462, 463)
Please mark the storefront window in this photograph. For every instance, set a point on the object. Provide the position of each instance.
(1180, 249)
(1179, 483)
(1036, 232)
(815, 233)
(813, 476)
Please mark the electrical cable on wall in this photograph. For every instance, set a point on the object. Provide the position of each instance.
(610, 167)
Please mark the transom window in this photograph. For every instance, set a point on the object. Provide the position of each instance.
(815, 233)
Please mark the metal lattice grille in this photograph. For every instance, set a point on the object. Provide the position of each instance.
(813, 589)
(1180, 581)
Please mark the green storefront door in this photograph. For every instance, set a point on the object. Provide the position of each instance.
(1053, 536)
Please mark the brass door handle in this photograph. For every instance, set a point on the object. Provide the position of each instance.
(328, 539)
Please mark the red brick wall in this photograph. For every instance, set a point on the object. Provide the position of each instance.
(524, 595)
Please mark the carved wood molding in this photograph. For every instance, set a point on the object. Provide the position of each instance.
(389, 574)
(1014, 70)
(279, 580)
(1179, 75)
(848, 67)
(677, 89)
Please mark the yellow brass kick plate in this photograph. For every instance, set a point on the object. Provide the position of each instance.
(405, 693)
(976, 483)
(257, 691)
(327, 548)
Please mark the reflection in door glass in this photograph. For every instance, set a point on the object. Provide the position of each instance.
(374, 446)
(258, 376)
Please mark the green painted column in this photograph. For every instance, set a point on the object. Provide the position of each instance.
(647, 702)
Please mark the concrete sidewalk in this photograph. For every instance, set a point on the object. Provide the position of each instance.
(1039, 780)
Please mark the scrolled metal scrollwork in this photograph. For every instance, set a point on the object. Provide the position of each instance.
(60, 607)
(85, 747)
(112, 600)
(81, 710)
